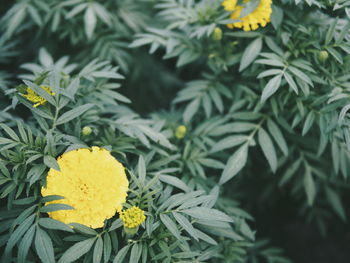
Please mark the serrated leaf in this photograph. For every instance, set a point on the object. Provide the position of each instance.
(235, 164)
(335, 200)
(44, 247)
(19, 232)
(97, 254)
(51, 162)
(190, 110)
(209, 214)
(229, 142)
(277, 136)
(141, 169)
(268, 149)
(308, 122)
(90, 21)
(309, 186)
(84, 229)
(174, 181)
(107, 247)
(55, 207)
(50, 223)
(77, 250)
(119, 258)
(74, 113)
(250, 53)
(170, 225)
(135, 253)
(183, 221)
(271, 87)
(25, 245)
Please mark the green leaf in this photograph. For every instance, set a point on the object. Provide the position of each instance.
(309, 185)
(268, 148)
(235, 164)
(271, 87)
(183, 221)
(51, 162)
(84, 229)
(291, 82)
(43, 246)
(25, 244)
(97, 255)
(55, 207)
(89, 21)
(277, 136)
(107, 247)
(74, 113)
(334, 198)
(190, 110)
(205, 213)
(10, 132)
(19, 232)
(301, 75)
(335, 54)
(308, 122)
(141, 169)
(229, 142)
(170, 225)
(330, 32)
(250, 53)
(174, 181)
(277, 16)
(51, 198)
(135, 253)
(50, 223)
(121, 255)
(77, 250)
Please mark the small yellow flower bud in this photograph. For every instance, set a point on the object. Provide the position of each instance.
(217, 34)
(180, 131)
(86, 131)
(323, 55)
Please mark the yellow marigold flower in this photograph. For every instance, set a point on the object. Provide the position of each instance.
(260, 16)
(132, 217)
(35, 98)
(180, 131)
(92, 181)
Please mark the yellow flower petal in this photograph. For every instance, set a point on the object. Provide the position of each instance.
(259, 17)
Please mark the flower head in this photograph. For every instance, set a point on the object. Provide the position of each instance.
(260, 15)
(92, 181)
(132, 217)
(35, 98)
(180, 131)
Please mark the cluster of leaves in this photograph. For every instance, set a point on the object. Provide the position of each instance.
(182, 221)
(276, 98)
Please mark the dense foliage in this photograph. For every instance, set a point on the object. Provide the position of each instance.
(200, 114)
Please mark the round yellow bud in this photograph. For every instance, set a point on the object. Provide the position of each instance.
(217, 34)
(323, 55)
(86, 131)
(180, 131)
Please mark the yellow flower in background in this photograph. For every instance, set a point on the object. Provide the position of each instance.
(92, 181)
(35, 98)
(180, 132)
(259, 17)
(132, 217)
